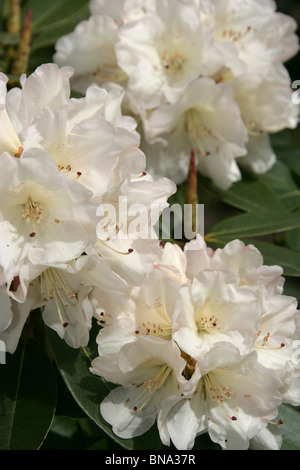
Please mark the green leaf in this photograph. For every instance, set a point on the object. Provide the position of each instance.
(28, 397)
(290, 428)
(87, 389)
(292, 239)
(68, 433)
(47, 13)
(292, 288)
(50, 21)
(292, 158)
(103, 444)
(204, 442)
(281, 179)
(254, 224)
(247, 195)
(7, 39)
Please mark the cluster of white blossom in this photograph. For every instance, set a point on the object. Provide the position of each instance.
(206, 75)
(206, 344)
(198, 341)
(63, 161)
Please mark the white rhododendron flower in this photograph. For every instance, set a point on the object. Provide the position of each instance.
(214, 309)
(148, 311)
(232, 397)
(205, 119)
(63, 161)
(62, 289)
(159, 53)
(265, 103)
(194, 340)
(47, 88)
(43, 116)
(44, 216)
(259, 34)
(235, 330)
(174, 47)
(100, 33)
(149, 372)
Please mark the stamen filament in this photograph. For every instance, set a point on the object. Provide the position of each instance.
(217, 393)
(54, 287)
(32, 213)
(130, 250)
(152, 384)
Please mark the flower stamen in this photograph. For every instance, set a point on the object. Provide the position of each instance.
(263, 344)
(198, 131)
(207, 323)
(128, 252)
(19, 153)
(109, 73)
(152, 384)
(32, 213)
(218, 393)
(54, 287)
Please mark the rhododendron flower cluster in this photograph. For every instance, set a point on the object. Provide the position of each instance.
(62, 161)
(202, 75)
(195, 340)
(204, 345)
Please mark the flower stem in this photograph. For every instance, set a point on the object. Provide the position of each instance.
(20, 63)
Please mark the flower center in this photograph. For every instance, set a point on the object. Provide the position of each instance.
(217, 392)
(172, 62)
(109, 73)
(32, 213)
(197, 131)
(253, 127)
(153, 329)
(162, 327)
(108, 229)
(67, 169)
(207, 323)
(235, 36)
(151, 385)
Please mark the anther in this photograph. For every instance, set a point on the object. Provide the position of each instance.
(17, 155)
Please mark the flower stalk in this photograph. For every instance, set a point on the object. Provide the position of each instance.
(191, 197)
(14, 19)
(20, 62)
